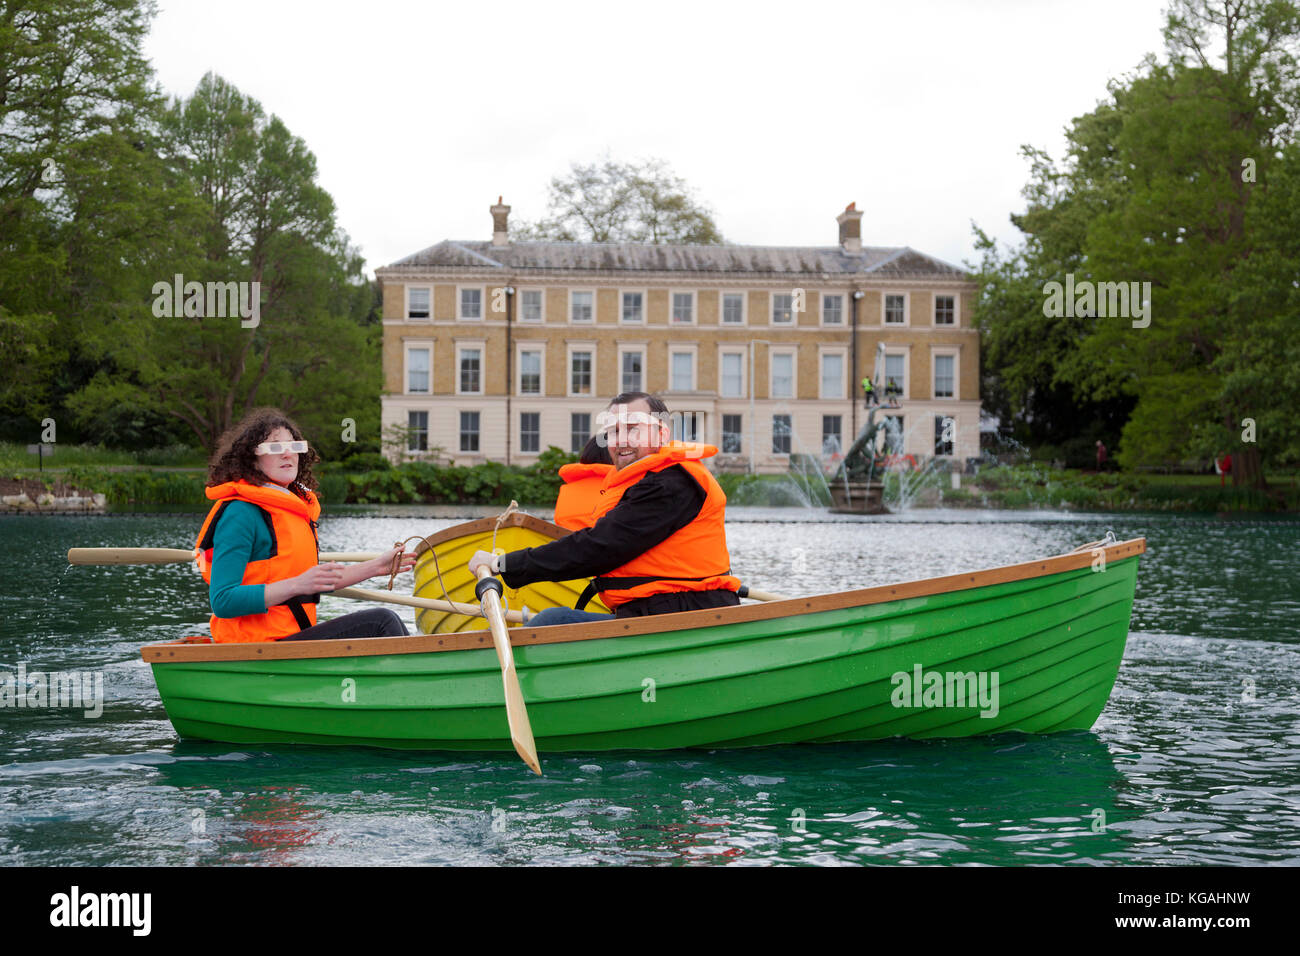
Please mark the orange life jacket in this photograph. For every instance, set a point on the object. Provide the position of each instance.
(693, 558)
(294, 549)
(576, 502)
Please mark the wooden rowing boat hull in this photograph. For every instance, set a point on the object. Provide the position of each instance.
(815, 669)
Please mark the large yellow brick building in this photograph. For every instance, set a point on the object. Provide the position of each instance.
(494, 350)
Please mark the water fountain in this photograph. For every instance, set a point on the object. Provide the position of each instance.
(803, 486)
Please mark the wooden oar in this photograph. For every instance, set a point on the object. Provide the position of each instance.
(177, 556)
(388, 597)
(521, 732)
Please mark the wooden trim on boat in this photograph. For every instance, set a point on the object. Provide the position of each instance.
(182, 652)
(485, 526)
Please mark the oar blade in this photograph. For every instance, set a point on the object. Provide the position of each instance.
(521, 731)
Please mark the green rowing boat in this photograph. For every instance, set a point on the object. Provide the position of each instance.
(1031, 647)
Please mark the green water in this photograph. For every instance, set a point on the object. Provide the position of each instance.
(1194, 759)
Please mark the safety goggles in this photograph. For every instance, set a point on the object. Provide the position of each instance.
(631, 427)
(280, 447)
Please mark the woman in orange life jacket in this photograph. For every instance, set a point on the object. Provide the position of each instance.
(576, 502)
(258, 549)
(658, 543)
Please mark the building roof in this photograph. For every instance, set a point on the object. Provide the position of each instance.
(715, 259)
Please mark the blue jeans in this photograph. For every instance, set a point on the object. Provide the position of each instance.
(565, 615)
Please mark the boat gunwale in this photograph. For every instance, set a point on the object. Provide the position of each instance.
(517, 519)
(184, 652)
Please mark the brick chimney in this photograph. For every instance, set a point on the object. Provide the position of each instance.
(850, 221)
(500, 234)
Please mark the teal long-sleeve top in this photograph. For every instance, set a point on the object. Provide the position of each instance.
(241, 536)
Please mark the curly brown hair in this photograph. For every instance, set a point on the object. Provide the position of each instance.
(236, 460)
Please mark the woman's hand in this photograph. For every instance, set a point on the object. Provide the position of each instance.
(385, 561)
(375, 567)
(319, 579)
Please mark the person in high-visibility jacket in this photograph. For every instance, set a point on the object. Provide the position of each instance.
(869, 397)
(257, 548)
(658, 544)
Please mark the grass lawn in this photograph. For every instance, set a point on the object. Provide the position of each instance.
(15, 459)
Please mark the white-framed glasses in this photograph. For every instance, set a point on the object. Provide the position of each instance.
(280, 447)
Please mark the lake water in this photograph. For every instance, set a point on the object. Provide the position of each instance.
(1194, 760)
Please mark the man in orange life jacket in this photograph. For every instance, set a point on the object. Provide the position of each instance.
(657, 545)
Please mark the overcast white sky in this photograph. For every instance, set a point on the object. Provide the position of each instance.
(777, 114)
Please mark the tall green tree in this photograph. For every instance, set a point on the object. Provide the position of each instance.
(74, 116)
(1166, 183)
(262, 223)
(612, 201)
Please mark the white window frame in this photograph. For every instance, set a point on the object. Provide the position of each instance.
(520, 349)
(744, 370)
(793, 352)
(693, 350)
(771, 311)
(844, 298)
(907, 309)
(568, 368)
(825, 415)
(695, 310)
(677, 418)
(584, 322)
(407, 345)
(470, 411)
(645, 305)
(410, 434)
(956, 310)
(772, 435)
(406, 314)
(460, 302)
(956, 427)
(591, 425)
(520, 312)
(722, 416)
(744, 309)
(842, 352)
(627, 349)
(530, 411)
(906, 352)
(954, 352)
(481, 346)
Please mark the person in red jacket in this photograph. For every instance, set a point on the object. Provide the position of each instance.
(658, 544)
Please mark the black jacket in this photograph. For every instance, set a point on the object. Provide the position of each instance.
(659, 505)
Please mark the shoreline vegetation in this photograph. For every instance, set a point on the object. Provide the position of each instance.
(172, 478)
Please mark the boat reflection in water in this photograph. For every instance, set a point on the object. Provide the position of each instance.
(1007, 799)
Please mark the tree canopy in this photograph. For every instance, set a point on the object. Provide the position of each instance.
(108, 191)
(612, 201)
(1183, 178)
